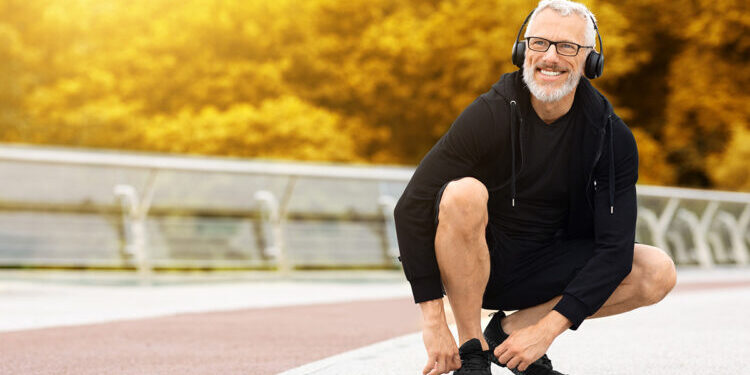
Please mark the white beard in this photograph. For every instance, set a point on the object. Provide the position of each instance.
(544, 94)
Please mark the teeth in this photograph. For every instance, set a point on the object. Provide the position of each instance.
(550, 73)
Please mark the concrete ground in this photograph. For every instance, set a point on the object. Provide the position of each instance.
(328, 323)
(696, 332)
(39, 299)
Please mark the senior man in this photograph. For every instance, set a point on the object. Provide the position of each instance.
(528, 203)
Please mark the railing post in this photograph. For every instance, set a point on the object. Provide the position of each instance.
(705, 225)
(274, 248)
(137, 211)
(743, 229)
(659, 226)
(128, 200)
(277, 213)
(658, 235)
(699, 229)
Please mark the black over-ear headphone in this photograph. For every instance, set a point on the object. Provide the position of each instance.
(594, 62)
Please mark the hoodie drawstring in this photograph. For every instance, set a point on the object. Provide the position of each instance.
(513, 120)
(611, 167)
(513, 109)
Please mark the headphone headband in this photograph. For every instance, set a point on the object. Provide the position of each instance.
(524, 24)
(596, 28)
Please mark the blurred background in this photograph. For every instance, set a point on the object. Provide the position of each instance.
(200, 134)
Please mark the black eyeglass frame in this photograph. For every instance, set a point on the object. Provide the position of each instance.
(551, 43)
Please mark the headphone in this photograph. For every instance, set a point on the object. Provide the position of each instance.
(594, 62)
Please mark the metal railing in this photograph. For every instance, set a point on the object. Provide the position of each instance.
(695, 226)
(718, 231)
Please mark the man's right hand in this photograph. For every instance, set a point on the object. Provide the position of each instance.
(442, 352)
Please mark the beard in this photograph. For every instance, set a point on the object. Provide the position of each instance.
(541, 91)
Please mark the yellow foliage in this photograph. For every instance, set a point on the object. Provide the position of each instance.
(707, 106)
(652, 164)
(731, 169)
(359, 80)
(283, 128)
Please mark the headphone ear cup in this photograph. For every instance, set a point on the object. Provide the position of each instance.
(594, 65)
(519, 53)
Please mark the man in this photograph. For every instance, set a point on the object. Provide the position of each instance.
(528, 203)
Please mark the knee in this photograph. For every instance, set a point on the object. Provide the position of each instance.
(464, 204)
(659, 276)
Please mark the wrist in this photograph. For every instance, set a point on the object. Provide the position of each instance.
(553, 324)
(433, 312)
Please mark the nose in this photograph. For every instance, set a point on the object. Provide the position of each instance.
(551, 54)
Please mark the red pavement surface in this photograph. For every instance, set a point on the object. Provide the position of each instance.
(251, 341)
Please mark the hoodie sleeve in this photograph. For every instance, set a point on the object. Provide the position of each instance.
(614, 229)
(454, 156)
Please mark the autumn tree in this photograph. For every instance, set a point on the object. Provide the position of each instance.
(365, 81)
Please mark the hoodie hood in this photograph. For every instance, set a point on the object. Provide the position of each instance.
(595, 106)
(596, 109)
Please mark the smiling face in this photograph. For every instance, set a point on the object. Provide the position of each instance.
(549, 75)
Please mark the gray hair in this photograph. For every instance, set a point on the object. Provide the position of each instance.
(566, 8)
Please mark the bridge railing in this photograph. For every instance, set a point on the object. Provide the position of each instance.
(62, 207)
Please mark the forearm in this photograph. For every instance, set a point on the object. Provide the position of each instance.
(433, 313)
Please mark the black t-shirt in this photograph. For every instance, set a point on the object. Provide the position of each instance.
(542, 184)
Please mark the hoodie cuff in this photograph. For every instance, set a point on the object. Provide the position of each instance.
(426, 288)
(573, 309)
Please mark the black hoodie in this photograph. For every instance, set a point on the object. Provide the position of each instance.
(484, 142)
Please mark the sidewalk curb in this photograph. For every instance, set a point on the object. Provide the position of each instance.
(366, 352)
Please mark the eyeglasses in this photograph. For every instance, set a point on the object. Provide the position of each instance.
(562, 48)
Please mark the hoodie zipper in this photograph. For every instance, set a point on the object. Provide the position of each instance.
(596, 160)
(513, 105)
(520, 145)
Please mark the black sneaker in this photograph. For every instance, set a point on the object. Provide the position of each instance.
(474, 360)
(494, 335)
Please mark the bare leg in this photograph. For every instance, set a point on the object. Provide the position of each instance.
(462, 253)
(651, 278)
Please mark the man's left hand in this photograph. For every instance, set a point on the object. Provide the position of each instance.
(524, 346)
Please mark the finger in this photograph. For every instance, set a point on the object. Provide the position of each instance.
(429, 366)
(442, 365)
(451, 364)
(505, 357)
(513, 362)
(499, 350)
(456, 359)
(503, 346)
(523, 365)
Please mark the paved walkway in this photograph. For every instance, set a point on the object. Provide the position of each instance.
(328, 323)
(234, 323)
(38, 299)
(690, 332)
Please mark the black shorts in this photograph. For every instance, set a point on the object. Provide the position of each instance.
(522, 276)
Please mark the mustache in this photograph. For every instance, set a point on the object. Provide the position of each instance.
(546, 66)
